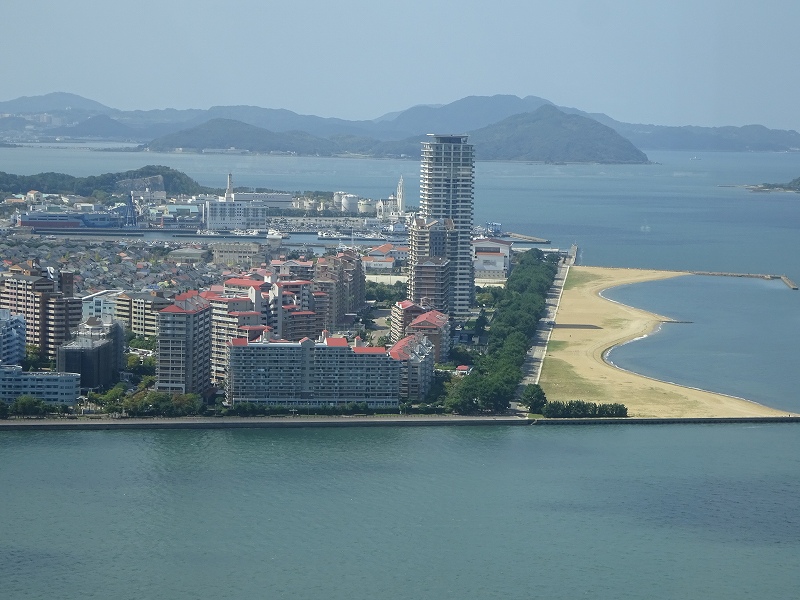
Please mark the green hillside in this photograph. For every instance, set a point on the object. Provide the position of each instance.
(172, 181)
(227, 133)
(549, 135)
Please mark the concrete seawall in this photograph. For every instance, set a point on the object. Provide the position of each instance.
(299, 422)
(253, 423)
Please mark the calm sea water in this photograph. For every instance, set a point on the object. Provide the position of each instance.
(742, 338)
(598, 512)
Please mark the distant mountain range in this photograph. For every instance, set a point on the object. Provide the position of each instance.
(502, 127)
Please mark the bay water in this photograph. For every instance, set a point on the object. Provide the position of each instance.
(603, 512)
(612, 512)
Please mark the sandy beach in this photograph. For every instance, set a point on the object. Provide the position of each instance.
(587, 325)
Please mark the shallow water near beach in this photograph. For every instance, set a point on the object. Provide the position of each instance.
(741, 337)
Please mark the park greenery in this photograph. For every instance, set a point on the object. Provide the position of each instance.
(141, 342)
(384, 293)
(578, 409)
(534, 399)
(29, 406)
(518, 307)
(35, 359)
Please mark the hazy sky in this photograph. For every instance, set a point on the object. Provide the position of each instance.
(671, 62)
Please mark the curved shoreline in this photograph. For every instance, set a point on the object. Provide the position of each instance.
(589, 325)
(656, 329)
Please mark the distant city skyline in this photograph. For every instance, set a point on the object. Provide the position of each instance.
(702, 62)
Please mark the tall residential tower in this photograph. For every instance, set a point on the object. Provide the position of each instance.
(447, 175)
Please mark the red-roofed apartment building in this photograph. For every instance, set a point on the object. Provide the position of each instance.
(348, 290)
(229, 316)
(415, 352)
(436, 327)
(183, 358)
(403, 313)
(308, 373)
(293, 311)
(254, 288)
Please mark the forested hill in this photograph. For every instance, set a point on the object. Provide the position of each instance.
(228, 133)
(546, 135)
(793, 185)
(324, 135)
(549, 135)
(155, 177)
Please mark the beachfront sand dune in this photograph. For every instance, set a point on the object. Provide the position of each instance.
(587, 325)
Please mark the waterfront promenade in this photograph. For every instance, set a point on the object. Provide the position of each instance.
(532, 368)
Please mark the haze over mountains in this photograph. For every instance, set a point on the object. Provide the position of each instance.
(503, 127)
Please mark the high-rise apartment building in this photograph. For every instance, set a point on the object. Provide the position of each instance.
(96, 352)
(183, 363)
(12, 338)
(444, 224)
(44, 299)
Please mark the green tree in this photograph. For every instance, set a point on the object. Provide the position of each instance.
(28, 406)
(143, 342)
(4, 411)
(533, 398)
(481, 322)
(463, 395)
(34, 359)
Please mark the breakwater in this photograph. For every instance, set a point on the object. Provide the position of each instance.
(789, 283)
(528, 238)
(667, 421)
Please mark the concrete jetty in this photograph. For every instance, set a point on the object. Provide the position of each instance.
(528, 238)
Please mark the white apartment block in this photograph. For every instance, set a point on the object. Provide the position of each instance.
(60, 388)
(100, 304)
(245, 210)
(416, 354)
